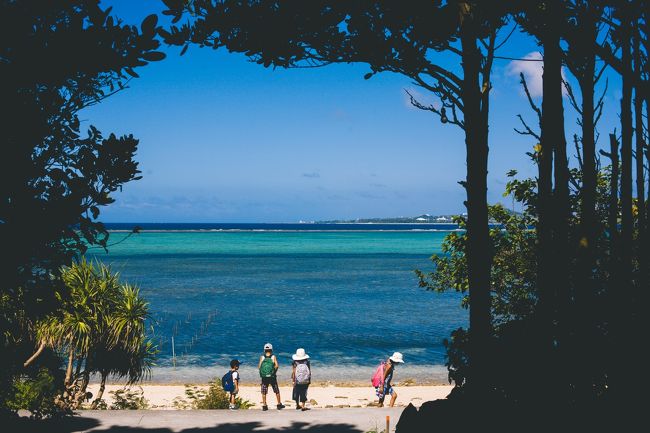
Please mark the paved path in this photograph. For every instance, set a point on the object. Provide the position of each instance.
(348, 420)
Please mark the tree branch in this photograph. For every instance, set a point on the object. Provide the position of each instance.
(528, 130)
(442, 112)
(32, 358)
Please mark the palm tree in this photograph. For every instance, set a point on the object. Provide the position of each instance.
(100, 327)
(125, 352)
(120, 363)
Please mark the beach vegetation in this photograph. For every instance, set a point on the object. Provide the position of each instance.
(128, 398)
(214, 397)
(37, 394)
(99, 329)
(512, 278)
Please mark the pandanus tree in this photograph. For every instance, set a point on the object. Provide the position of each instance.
(100, 328)
(414, 39)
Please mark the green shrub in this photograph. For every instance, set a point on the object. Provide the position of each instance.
(36, 394)
(127, 398)
(101, 405)
(213, 398)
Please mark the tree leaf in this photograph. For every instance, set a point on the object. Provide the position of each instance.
(131, 72)
(154, 56)
(148, 25)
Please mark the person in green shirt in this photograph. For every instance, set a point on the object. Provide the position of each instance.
(268, 367)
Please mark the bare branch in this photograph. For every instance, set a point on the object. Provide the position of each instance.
(572, 97)
(575, 183)
(530, 98)
(450, 79)
(576, 143)
(441, 90)
(528, 130)
(600, 73)
(600, 104)
(440, 112)
(502, 43)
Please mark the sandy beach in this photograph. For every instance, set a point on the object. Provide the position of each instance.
(166, 397)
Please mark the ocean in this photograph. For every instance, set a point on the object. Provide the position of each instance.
(346, 293)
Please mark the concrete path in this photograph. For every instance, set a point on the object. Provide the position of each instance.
(348, 420)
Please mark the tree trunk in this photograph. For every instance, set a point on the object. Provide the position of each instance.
(626, 171)
(552, 138)
(612, 214)
(561, 205)
(77, 371)
(585, 343)
(68, 371)
(478, 240)
(86, 375)
(640, 153)
(32, 358)
(622, 388)
(100, 392)
(645, 258)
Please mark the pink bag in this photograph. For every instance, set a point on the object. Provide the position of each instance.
(376, 378)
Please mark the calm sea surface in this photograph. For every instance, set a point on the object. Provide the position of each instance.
(346, 293)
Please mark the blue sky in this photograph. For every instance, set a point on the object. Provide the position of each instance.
(226, 140)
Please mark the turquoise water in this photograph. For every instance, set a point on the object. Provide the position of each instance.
(349, 298)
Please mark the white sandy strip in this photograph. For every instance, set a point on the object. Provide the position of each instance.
(162, 396)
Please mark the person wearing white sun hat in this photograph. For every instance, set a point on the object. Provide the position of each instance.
(385, 387)
(301, 376)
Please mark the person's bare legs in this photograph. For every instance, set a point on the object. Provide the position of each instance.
(278, 397)
(263, 399)
(393, 398)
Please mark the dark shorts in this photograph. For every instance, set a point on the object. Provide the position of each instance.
(273, 381)
(300, 393)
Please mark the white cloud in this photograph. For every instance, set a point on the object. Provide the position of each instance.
(532, 67)
(532, 72)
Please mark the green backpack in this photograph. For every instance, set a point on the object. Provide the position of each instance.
(267, 369)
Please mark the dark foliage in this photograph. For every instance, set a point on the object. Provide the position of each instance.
(57, 57)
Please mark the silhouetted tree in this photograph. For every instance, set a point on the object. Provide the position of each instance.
(545, 20)
(56, 58)
(581, 34)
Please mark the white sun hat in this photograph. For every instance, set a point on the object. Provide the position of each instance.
(268, 346)
(397, 357)
(300, 355)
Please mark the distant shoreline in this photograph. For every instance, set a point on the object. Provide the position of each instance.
(279, 227)
(275, 231)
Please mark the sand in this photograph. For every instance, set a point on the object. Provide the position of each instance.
(164, 396)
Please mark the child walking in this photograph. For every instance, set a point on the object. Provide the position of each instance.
(385, 387)
(301, 376)
(268, 367)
